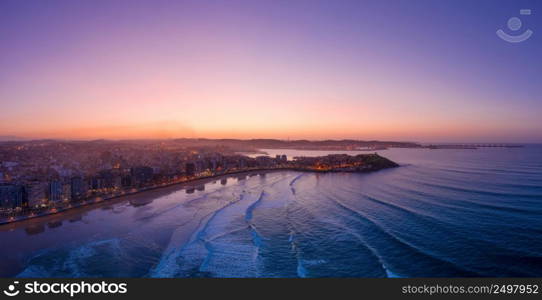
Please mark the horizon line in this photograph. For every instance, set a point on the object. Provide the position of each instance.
(24, 139)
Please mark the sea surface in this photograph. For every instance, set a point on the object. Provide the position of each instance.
(443, 213)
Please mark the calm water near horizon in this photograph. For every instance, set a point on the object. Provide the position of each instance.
(442, 213)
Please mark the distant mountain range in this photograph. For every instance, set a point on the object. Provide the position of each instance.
(248, 144)
(297, 144)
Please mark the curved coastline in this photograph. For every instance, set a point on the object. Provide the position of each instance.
(106, 200)
(163, 188)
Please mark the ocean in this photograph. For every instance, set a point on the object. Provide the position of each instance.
(442, 213)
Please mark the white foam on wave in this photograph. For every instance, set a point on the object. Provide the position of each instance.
(72, 262)
(169, 264)
(205, 208)
(301, 271)
(226, 244)
(292, 183)
(34, 272)
(302, 265)
(250, 209)
(390, 274)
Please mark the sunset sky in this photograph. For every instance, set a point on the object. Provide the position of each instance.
(404, 70)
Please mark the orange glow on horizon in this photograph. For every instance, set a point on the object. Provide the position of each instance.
(397, 131)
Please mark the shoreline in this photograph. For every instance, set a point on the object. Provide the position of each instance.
(108, 199)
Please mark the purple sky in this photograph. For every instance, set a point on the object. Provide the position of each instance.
(405, 70)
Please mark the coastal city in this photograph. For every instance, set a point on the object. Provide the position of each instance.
(45, 177)
(169, 139)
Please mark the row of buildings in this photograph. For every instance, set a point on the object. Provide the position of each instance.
(36, 194)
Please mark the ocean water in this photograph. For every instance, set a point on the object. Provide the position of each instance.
(443, 213)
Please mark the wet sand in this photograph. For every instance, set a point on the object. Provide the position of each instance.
(139, 198)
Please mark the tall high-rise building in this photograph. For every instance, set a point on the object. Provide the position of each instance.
(78, 188)
(66, 192)
(190, 169)
(36, 192)
(142, 175)
(55, 191)
(12, 196)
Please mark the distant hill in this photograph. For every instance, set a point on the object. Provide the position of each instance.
(295, 144)
(7, 138)
(242, 145)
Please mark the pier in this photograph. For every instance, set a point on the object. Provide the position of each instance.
(472, 146)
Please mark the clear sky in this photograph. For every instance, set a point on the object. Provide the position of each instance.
(414, 70)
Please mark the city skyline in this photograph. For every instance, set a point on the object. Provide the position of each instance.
(410, 71)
